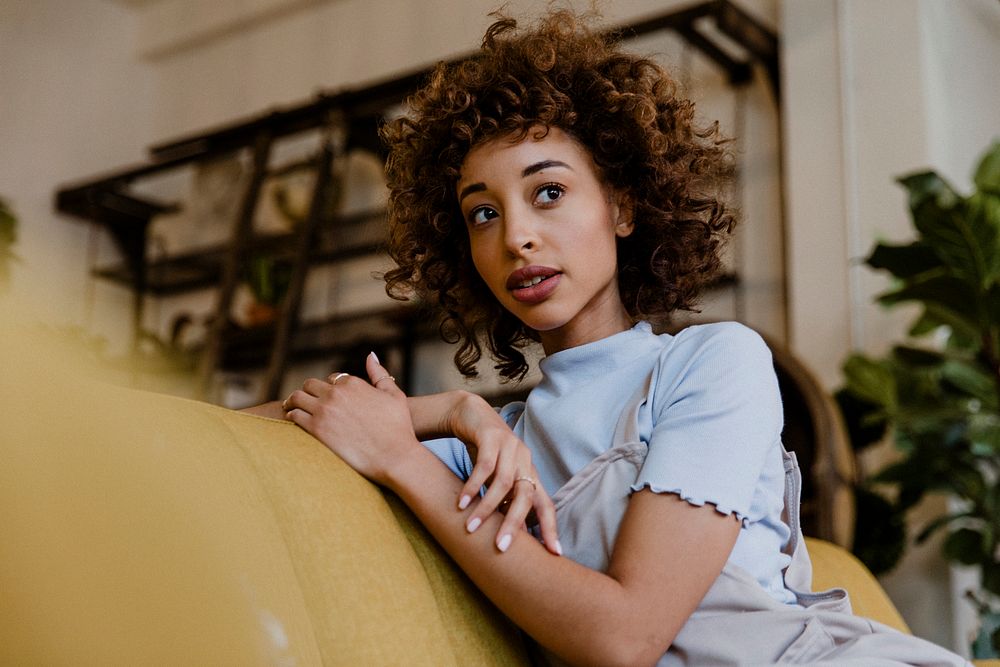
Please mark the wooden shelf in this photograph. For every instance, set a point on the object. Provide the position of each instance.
(342, 238)
(249, 348)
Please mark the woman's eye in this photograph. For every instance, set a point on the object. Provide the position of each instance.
(548, 194)
(481, 215)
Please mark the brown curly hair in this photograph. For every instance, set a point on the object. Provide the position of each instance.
(623, 108)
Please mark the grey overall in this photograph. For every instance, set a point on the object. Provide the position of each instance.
(738, 622)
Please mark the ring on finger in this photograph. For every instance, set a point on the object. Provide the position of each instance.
(384, 377)
(338, 377)
(529, 480)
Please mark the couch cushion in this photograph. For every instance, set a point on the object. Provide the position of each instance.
(141, 528)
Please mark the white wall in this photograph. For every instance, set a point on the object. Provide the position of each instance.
(75, 101)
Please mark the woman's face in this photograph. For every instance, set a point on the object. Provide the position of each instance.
(542, 229)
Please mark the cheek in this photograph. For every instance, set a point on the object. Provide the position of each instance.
(480, 260)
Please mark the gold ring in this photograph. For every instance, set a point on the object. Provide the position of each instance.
(339, 376)
(528, 480)
(384, 377)
(284, 404)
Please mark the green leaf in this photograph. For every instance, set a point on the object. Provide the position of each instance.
(8, 225)
(971, 379)
(927, 186)
(880, 531)
(983, 211)
(991, 577)
(915, 356)
(939, 523)
(984, 434)
(904, 261)
(952, 298)
(871, 381)
(966, 546)
(987, 175)
(862, 429)
(962, 329)
(925, 324)
(960, 235)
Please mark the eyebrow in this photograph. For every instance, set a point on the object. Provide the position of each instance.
(469, 189)
(544, 164)
(528, 171)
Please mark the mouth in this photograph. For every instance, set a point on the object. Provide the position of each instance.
(532, 284)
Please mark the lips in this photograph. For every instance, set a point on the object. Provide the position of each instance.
(533, 284)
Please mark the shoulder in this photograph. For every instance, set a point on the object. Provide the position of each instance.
(720, 363)
(719, 338)
(720, 349)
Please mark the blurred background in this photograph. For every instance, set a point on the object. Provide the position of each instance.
(197, 185)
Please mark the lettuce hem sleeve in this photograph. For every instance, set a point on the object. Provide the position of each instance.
(691, 499)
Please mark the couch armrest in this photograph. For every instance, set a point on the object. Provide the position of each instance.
(835, 566)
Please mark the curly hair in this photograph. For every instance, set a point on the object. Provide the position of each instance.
(623, 108)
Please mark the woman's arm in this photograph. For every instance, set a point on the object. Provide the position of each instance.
(501, 460)
(666, 556)
(430, 414)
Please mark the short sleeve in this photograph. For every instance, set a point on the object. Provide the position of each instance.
(453, 454)
(716, 415)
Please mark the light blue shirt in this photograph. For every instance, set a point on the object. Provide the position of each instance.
(712, 420)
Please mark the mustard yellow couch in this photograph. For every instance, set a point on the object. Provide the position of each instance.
(139, 528)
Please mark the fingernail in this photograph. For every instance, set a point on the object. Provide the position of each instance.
(375, 357)
(504, 543)
(464, 501)
(473, 524)
(558, 547)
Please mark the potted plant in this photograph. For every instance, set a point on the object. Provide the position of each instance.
(268, 278)
(8, 235)
(942, 401)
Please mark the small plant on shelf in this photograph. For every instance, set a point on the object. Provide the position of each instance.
(8, 236)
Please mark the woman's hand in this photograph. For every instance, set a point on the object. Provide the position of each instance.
(366, 424)
(502, 462)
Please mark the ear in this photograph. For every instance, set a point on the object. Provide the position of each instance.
(622, 210)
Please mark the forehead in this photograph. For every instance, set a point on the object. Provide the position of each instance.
(512, 152)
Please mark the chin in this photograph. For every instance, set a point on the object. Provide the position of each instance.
(542, 324)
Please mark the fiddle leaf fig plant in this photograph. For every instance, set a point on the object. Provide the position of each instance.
(942, 400)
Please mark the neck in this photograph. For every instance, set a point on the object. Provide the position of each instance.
(576, 334)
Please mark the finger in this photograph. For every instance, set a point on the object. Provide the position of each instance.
(512, 523)
(500, 486)
(316, 387)
(300, 417)
(481, 471)
(335, 378)
(545, 510)
(300, 400)
(379, 376)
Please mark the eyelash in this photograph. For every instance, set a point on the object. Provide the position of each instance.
(554, 186)
(539, 190)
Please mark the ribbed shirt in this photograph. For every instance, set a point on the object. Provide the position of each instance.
(711, 418)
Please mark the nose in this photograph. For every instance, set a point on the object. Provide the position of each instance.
(520, 234)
